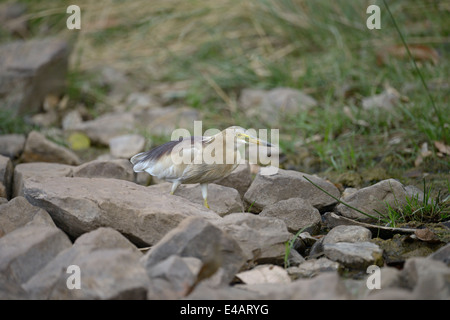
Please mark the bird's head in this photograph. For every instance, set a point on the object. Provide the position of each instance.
(243, 136)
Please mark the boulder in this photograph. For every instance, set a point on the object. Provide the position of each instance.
(195, 237)
(40, 149)
(11, 145)
(262, 239)
(80, 205)
(269, 189)
(18, 213)
(358, 255)
(109, 269)
(296, 213)
(372, 199)
(6, 174)
(26, 250)
(30, 70)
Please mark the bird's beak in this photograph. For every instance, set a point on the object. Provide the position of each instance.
(254, 140)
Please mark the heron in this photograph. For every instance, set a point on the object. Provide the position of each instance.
(204, 159)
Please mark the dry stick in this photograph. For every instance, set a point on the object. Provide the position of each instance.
(338, 200)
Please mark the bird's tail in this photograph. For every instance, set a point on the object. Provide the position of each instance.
(138, 161)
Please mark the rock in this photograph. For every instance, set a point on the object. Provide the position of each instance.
(332, 220)
(109, 266)
(428, 278)
(11, 145)
(373, 198)
(388, 99)
(24, 251)
(6, 175)
(173, 277)
(139, 101)
(312, 267)
(39, 149)
(266, 190)
(222, 200)
(126, 146)
(11, 16)
(163, 121)
(38, 170)
(270, 105)
(31, 70)
(115, 169)
(18, 213)
(71, 120)
(296, 213)
(80, 205)
(195, 237)
(262, 239)
(78, 141)
(443, 254)
(107, 126)
(354, 255)
(347, 234)
(240, 179)
(264, 274)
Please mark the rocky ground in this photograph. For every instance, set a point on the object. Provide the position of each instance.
(265, 237)
(139, 242)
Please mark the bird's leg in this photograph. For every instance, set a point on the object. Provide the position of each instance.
(175, 185)
(205, 194)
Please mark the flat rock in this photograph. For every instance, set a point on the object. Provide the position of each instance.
(19, 213)
(6, 174)
(296, 213)
(373, 198)
(195, 237)
(347, 234)
(312, 267)
(80, 205)
(262, 239)
(11, 145)
(39, 149)
(126, 146)
(24, 251)
(30, 70)
(264, 274)
(38, 170)
(354, 255)
(269, 189)
(109, 266)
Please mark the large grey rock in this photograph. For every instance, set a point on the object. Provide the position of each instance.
(354, 255)
(347, 234)
(262, 239)
(109, 269)
(18, 213)
(297, 213)
(11, 145)
(30, 70)
(372, 199)
(240, 179)
(116, 169)
(37, 170)
(80, 205)
(39, 149)
(269, 189)
(24, 251)
(6, 174)
(198, 238)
